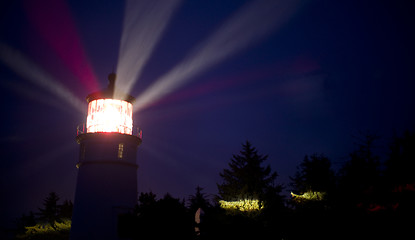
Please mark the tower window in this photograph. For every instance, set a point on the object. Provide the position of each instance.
(120, 150)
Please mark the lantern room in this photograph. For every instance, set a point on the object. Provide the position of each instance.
(107, 113)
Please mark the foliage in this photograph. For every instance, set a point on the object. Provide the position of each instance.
(25, 221)
(308, 196)
(313, 182)
(246, 177)
(55, 231)
(50, 211)
(147, 199)
(243, 205)
(199, 200)
(367, 200)
(167, 217)
(314, 174)
(53, 221)
(364, 200)
(65, 209)
(363, 167)
(401, 161)
(360, 176)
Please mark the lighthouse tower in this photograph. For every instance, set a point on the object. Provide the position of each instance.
(107, 177)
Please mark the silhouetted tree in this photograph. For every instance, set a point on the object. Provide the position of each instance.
(65, 210)
(166, 218)
(174, 219)
(399, 176)
(147, 199)
(401, 162)
(53, 221)
(314, 174)
(50, 211)
(246, 177)
(198, 200)
(25, 221)
(360, 176)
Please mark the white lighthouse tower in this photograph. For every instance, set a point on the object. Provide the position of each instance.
(107, 178)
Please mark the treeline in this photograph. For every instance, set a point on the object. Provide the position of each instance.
(51, 221)
(365, 199)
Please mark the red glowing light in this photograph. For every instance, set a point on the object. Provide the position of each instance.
(54, 23)
(109, 115)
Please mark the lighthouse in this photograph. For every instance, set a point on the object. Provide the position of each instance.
(106, 184)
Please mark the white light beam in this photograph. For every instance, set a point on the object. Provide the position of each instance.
(247, 26)
(144, 22)
(30, 71)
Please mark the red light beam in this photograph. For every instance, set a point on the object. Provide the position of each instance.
(52, 20)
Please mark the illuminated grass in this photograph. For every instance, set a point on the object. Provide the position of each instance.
(47, 231)
(243, 205)
(308, 196)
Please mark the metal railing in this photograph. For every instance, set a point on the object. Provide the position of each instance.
(81, 129)
(138, 132)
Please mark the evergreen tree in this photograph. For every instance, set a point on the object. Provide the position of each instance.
(360, 176)
(399, 176)
(313, 183)
(25, 221)
(65, 210)
(50, 211)
(198, 200)
(401, 162)
(147, 199)
(159, 219)
(314, 174)
(246, 177)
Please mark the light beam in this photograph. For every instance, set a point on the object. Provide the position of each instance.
(30, 71)
(53, 21)
(144, 22)
(247, 26)
(32, 93)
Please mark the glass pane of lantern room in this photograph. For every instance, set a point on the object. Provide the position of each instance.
(109, 115)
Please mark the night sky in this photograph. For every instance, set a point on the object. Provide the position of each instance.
(294, 78)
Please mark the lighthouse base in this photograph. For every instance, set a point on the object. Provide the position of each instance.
(106, 192)
(106, 184)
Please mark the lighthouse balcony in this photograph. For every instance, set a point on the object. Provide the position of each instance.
(134, 131)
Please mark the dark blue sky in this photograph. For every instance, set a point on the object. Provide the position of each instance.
(328, 71)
